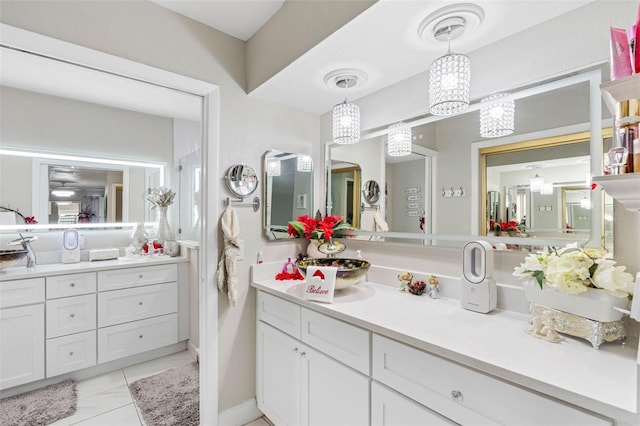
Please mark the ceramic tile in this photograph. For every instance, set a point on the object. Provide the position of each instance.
(100, 383)
(156, 366)
(259, 422)
(89, 406)
(123, 416)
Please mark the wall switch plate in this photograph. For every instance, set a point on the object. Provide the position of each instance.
(240, 250)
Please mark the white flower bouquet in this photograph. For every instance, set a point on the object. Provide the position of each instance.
(573, 270)
(161, 197)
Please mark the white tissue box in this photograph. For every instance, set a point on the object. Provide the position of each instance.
(103, 254)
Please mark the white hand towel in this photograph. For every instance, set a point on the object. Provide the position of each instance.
(226, 274)
(379, 224)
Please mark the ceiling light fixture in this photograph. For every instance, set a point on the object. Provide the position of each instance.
(547, 189)
(497, 116)
(304, 163)
(274, 167)
(62, 192)
(399, 140)
(346, 116)
(585, 203)
(536, 183)
(449, 75)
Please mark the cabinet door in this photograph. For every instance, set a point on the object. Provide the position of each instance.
(278, 375)
(21, 345)
(332, 393)
(389, 408)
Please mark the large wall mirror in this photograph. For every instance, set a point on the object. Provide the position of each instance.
(444, 193)
(92, 144)
(288, 190)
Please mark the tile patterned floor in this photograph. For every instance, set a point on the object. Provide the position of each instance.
(106, 401)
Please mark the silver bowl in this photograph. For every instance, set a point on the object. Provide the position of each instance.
(8, 258)
(350, 271)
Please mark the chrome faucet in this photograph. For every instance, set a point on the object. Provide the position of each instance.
(31, 253)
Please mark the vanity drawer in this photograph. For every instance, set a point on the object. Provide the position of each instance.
(279, 313)
(464, 395)
(21, 292)
(71, 315)
(70, 353)
(135, 277)
(340, 340)
(123, 340)
(71, 285)
(120, 306)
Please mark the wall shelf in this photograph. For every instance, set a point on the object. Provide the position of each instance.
(624, 188)
(620, 90)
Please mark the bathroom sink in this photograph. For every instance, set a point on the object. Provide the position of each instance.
(350, 271)
(8, 258)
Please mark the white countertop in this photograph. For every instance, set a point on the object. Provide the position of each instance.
(20, 272)
(604, 380)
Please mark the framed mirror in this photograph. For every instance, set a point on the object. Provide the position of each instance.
(108, 144)
(288, 191)
(451, 203)
(72, 190)
(241, 180)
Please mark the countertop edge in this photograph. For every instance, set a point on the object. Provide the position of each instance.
(620, 412)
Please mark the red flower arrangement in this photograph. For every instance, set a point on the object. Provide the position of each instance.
(512, 225)
(319, 228)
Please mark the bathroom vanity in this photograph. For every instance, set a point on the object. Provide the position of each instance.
(57, 319)
(383, 357)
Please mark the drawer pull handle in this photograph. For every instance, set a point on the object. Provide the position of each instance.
(456, 395)
(140, 276)
(72, 315)
(70, 353)
(140, 303)
(295, 349)
(303, 353)
(72, 284)
(140, 336)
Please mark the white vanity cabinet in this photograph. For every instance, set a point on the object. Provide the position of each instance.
(73, 317)
(21, 331)
(460, 394)
(298, 380)
(137, 310)
(71, 322)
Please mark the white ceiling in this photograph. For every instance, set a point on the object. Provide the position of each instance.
(383, 41)
(239, 18)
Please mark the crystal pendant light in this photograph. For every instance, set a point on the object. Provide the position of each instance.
(399, 140)
(497, 116)
(274, 168)
(449, 75)
(304, 163)
(346, 116)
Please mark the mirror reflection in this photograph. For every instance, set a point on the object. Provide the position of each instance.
(76, 190)
(371, 191)
(288, 189)
(445, 196)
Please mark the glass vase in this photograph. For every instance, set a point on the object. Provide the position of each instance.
(164, 230)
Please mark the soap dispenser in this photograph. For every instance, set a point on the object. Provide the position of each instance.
(479, 292)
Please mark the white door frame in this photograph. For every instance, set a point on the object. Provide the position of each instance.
(73, 55)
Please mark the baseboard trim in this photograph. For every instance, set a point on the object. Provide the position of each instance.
(195, 352)
(241, 414)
